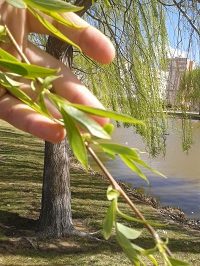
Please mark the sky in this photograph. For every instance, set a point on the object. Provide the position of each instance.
(180, 40)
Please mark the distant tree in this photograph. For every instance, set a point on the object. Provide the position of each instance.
(189, 89)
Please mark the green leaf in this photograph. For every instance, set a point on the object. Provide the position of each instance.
(112, 194)
(147, 252)
(129, 218)
(26, 70)
(25, 98)
(109, 128)
(133, 167)
(17, 3)
(34, 71)
(109, 114)
(15, 67)
(109, 220)
(52, 29)
(119, 149)
(52, 5)
(111, 154)
(57, 17)
(128, 232)
(2, 30)
(7, 56)
(3, 36)
(43, 105)
(142, 163)
(100, 112)
(86, 122)
(6, 81)
(75, 139)
(47, 82)
(175, 262)
(127, 247)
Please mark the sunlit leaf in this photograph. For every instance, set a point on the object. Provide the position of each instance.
(142, 163)
(26, 99)
(6, 81)
(129, 218)
(47, 82)
(109, 220)
(175, 262)
(2, 30)
(119, 149)
(86, 122)
(109, 114)
(99, 112)
(147, 252)
(34, 71)
(57, 17)
(75, 139)
(133, 167)
(43, 105)
(111, 154)
(3, 36)
(112, 194)
(5, 55)
(52, 29)
(127, 247)
(52, 5)
(128, 232)
(26, 70)
(15, 67)
(17, 3)
(108, 128)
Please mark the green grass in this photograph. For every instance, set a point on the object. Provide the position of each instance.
(21, 168)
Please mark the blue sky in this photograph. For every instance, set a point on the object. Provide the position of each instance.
(180, 39)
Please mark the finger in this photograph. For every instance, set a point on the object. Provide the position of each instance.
(2, 91)
(68, 86)
(24, 118)
(92, 42)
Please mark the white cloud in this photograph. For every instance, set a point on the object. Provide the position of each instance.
(177, 53)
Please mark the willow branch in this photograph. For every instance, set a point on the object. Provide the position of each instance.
(116, 186)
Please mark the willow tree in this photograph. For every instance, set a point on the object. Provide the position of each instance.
(134, 88)
(132, 83)
(189, 90)
(183, 20)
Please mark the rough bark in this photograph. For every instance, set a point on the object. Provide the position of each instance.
(55, 217)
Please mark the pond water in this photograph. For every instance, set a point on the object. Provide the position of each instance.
(182, 187)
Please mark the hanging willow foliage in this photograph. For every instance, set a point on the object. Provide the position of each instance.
(133, 82)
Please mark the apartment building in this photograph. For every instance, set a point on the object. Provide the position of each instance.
(176, 67)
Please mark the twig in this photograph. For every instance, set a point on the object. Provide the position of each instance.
(12, 39)
(116, 186)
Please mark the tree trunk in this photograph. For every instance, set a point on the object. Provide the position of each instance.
(55, 217)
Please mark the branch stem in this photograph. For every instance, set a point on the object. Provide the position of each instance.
(116, 186)
(19, 50)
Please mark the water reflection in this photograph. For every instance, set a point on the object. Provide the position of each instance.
(182, 186)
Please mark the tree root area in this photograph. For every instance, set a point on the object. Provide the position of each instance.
(28, 239)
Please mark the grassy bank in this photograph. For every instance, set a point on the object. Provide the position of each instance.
(21, 167)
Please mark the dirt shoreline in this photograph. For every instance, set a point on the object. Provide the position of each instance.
(171, 214)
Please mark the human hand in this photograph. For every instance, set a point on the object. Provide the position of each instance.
(92, 42)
